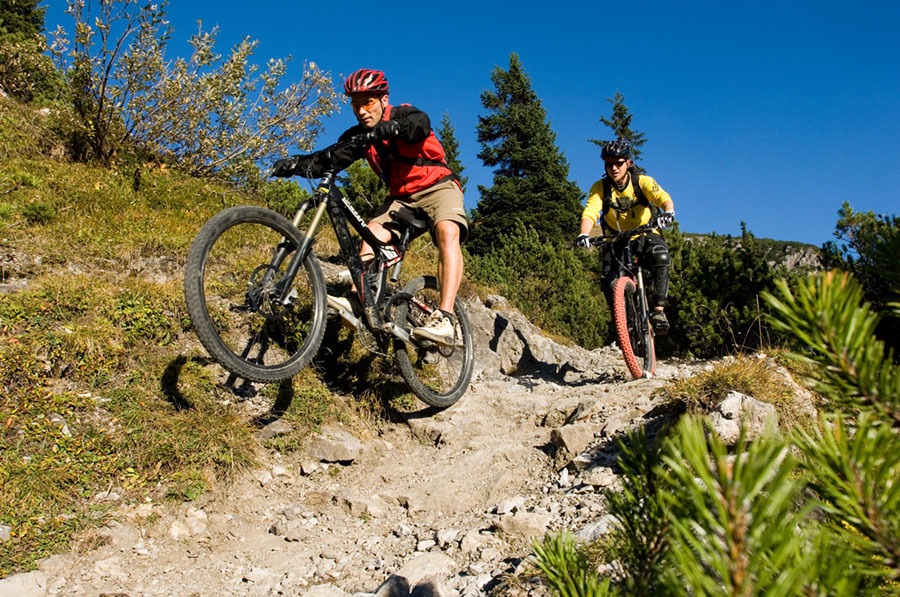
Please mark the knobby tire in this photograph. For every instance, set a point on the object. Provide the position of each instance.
(636, 345)
(230, 287)
(439, 375)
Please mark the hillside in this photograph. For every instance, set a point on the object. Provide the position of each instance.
(127, 466)
(450, 498)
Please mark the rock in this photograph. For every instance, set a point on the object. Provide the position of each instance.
(737, 410)
(335, 445)
(433, 567)
(571, 440)
(27, 584)
(524, 526)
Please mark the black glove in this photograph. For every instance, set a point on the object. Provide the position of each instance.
(386, 129)
(665, 219)
(583, 241)
(284, 167)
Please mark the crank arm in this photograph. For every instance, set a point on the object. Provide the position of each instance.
(398, 331)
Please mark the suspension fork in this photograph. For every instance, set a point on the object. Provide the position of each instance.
(638, 276)
(645, 307)
(320, 199)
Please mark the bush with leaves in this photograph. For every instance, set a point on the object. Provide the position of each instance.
(716, 282)
(365, 189)
(210, 114)
(26, 72)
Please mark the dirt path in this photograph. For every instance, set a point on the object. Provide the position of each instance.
(454, 497)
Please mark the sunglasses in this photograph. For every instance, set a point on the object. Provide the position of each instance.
(364, 102)
(617, 164)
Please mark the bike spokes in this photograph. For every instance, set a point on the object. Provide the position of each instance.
(438, 374)
(234, 290)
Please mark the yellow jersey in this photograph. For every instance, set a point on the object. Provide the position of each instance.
(625, 212)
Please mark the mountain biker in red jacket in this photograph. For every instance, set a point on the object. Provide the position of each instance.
(411, 161)
(614, 202)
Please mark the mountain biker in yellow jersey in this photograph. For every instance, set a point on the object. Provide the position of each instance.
(411, 161)
(621, 201)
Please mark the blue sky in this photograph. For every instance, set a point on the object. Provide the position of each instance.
(769, 113)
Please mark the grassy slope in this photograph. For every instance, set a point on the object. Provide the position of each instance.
(103, 385)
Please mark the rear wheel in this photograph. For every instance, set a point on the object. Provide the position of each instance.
(634, 333)
(439, 375)
(231, 285)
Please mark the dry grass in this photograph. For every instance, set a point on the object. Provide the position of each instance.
(757, 376)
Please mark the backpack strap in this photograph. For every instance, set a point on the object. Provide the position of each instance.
(392, 153)
(639, 197)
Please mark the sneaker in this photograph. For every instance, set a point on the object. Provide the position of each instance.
(659, 322)
(438, 328)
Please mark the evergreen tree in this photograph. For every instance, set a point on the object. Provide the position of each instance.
(867, 246)
(26, 72)
(530, 184)
(447, 135)
(364, 188)
(620, 123)
(21, 16)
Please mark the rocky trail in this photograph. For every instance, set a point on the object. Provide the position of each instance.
(439, 502)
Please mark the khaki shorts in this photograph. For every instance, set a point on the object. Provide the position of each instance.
(443, 201)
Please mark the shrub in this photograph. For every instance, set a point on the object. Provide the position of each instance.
(548, 283)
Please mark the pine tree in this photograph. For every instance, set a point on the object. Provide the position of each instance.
(620, 123)
(530, 183)
(27, 73)
(867, 245)
(21, 16)
(447, 135)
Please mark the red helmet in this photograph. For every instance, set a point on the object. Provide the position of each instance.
(366, 80)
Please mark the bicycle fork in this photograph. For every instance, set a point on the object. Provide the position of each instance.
(645, 307)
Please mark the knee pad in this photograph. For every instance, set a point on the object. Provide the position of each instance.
(660, 256)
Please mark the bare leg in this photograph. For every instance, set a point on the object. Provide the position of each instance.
(381, 233)
(450, 262)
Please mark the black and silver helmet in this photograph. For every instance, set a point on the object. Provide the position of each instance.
(620, 148)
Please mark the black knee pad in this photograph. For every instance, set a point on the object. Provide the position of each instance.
(660, 256)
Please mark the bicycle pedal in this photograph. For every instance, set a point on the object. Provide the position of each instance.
(292, 295)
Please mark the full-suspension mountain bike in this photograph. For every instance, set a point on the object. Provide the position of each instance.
(258, 300)
(630, 307)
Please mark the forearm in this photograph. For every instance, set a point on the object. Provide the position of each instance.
(587, 224)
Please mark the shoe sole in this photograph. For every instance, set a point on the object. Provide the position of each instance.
(444, 340)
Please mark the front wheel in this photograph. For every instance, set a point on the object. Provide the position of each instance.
(233, 278)
(633, 331)
(439, 375)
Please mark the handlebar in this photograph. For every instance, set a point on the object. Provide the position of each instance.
(597, 241)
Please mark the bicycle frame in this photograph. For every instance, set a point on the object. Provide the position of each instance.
(328, 199)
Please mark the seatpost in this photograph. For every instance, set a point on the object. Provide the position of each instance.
(404, 240)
